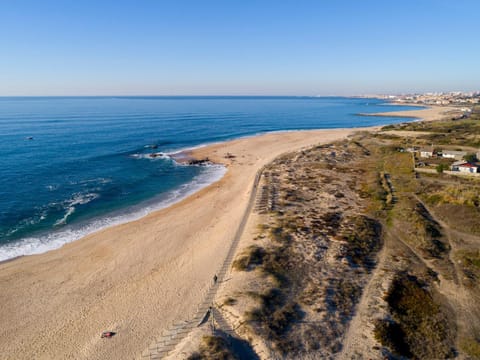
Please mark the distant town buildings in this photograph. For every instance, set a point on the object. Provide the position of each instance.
(450, 98)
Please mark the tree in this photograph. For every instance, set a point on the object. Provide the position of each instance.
(441, 168)
(471, 158)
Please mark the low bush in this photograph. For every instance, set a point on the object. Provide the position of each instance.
(342, 296)
(274, 317)
(441, 168)
(419, 326)
(390, 334)
(213, 348)
(252, 257)
(363, 242)
(471, 347)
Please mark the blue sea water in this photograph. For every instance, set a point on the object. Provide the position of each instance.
(72, 165)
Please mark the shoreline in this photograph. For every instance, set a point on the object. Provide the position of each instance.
(430, 113)
(54, 239)
(124, 278)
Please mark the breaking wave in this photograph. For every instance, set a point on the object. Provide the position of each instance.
(55, 239)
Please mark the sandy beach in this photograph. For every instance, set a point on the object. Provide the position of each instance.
(137, 278)
(428, 114)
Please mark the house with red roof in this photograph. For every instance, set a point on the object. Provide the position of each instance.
(465, 167)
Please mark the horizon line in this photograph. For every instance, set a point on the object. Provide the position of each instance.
(188, 95)
(369, 95)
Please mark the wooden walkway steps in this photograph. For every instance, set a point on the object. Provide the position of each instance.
(167, 342)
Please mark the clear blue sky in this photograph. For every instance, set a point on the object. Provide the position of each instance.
(321, 47)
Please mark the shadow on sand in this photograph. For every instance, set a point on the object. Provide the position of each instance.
(239, 347)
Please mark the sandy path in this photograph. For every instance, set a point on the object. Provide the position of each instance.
(135, 278)
(358, 341)
(405, 133)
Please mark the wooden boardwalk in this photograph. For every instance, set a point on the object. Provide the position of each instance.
(170, 338)
(267, 200)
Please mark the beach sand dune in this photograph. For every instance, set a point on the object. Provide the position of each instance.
(135, 279)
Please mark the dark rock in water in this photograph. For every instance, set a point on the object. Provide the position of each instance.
(155, 155)
(204, 161)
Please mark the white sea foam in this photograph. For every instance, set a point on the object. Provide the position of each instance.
(56, 239)
(151, 156)
(28, 222)
(100, 180)
(190, 148)
(78, 199)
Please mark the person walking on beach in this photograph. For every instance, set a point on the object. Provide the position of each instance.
(215, 278)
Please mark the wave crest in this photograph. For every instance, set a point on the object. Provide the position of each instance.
(78, 199)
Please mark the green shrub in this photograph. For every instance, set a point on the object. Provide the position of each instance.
(420, 327)
(213, 348)
(441, 168)
(471, 347)
(471, 158)
(274, 317)
(363, 241)
(390, 334)
(252, 257)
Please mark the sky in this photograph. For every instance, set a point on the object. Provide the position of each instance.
(233, 47)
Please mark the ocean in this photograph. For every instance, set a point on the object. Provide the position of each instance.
(73, 165)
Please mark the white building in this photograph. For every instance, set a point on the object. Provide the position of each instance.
(452, 154)
(426, 153)
(468, 168)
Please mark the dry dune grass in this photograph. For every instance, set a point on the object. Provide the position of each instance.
(356, 255)
(318, 253)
